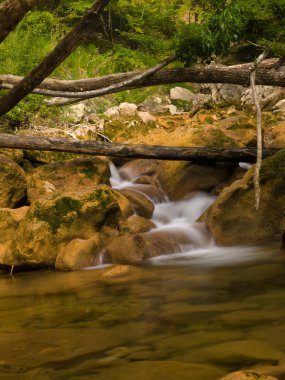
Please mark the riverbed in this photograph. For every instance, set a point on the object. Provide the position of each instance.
(194, 315)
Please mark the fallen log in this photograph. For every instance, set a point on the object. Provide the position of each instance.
(194, 74)
(97, 148)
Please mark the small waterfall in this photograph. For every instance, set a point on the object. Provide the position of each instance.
(176, 218)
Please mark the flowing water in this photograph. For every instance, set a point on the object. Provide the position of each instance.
(197, 314)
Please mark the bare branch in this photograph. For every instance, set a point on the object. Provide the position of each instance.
(258, 126)
(84, 95)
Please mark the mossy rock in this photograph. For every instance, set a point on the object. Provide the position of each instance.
(81, 175)
(53, 222)
(233, 218)
(123, 128)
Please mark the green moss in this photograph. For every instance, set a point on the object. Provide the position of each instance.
(89, 169)
(273, 166)
(54, 215)
(219, 139)
(241, 126)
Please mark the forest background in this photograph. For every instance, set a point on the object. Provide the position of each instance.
(137, 34)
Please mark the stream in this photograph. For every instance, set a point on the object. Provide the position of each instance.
(199, 313)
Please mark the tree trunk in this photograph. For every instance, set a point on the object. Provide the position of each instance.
(130, 151)
(11, 13)
(67, 45)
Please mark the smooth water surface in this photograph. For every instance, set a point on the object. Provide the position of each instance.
(196, 315)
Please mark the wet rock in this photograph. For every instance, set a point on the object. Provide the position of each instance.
(247, 375)
(79, 254)
(136, 224)
(233, 219)
(134, 249)
(138, 168)
(81, 175)
(180, 178)
(13, 183)
(126, 249)
(152, 192)
(51, 222)
(141, 204)
(147, 180)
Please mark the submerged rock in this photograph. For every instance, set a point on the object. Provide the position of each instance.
(247, 375)
(233, 219)
(13, 183)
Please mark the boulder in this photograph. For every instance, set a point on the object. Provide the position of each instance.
(138, 168)
(180, 178)
(13, 183)
(141, 204)
(128, 109)
(146, 117)
(136, 224)
(136, 248)
(152, 192)
(81, 175)
(247, 375)
(268, 96)
(53, 222)
(233, 219)
(154, 104)
(79, 254)
(77, 112)
(181, 93)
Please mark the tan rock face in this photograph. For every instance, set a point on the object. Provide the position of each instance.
(233, 219)
(68, 177)
(13, 183)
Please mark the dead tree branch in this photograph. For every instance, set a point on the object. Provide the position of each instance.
(130, 151)
(258, 126)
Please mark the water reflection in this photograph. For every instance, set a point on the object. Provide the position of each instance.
(217, 312)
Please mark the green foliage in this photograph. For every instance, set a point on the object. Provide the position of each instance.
(136, 34)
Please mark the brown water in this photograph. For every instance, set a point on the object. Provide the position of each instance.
(189, 317)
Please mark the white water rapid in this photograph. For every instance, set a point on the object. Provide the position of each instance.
(175, 218)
